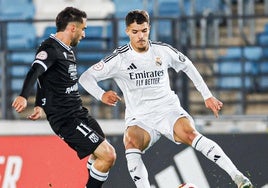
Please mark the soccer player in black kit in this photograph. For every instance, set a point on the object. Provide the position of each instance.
(54, 69)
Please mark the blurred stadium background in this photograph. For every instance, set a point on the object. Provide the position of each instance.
(227, 40)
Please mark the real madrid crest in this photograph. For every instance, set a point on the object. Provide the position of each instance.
(158, 61)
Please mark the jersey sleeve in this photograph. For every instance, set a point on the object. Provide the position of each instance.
(31, 77)
(43, 60)
(39, 96)
(45, 56)
(181, 62)
(102, 70)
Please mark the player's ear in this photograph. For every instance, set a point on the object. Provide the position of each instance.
(127, 31)
(72, 27)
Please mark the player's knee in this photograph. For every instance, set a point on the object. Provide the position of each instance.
(110, 155)
(133, 143)
(186, 137)
(105, 153)
(130, 141)
(136, 139)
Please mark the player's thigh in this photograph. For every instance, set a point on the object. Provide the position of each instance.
(136, 137)
(105, 151)
(184, 130)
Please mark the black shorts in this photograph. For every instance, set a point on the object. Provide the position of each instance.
(83, 135)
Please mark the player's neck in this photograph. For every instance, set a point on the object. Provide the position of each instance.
(63, 37)
(140, 50)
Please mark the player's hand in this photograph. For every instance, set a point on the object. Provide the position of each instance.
(110, 98)
(37, 114)
(19, 104)
(214, 104)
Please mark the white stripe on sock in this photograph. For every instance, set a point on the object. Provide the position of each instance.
(101, 176)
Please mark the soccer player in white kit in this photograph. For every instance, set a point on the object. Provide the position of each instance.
(140, 69)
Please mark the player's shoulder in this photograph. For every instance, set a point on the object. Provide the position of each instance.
(123, 49)
(119, 51)
(46, 44)
(163, 45)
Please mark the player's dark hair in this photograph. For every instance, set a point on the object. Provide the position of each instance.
(69, 14)
(138, 16)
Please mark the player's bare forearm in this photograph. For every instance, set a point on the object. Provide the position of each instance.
(214, 104)
(110, 98)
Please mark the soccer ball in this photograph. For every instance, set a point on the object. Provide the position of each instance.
(187, 185)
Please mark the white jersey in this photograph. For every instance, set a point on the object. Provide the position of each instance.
(143, 77)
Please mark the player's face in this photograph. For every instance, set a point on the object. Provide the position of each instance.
(79, 33)
(139, 36)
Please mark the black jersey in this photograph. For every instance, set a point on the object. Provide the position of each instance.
(57, 90)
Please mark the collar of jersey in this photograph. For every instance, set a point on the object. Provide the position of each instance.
(60, 42)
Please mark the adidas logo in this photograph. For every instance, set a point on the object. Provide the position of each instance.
(216, 157)
(136, 178)
(131, 67)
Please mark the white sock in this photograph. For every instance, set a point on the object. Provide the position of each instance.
(101, 176)
(214, 152)
(137, 169)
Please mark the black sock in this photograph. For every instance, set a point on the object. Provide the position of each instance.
(94, 183)
(96, 178)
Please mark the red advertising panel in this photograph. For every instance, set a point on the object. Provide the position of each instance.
(40, 162)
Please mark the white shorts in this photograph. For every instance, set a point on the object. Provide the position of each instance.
(159, 124)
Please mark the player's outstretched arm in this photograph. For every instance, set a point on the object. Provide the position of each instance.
(214, 104)
(110, 98)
